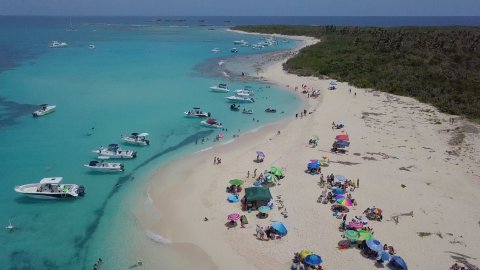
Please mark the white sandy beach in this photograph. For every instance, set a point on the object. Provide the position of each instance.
(394, 141)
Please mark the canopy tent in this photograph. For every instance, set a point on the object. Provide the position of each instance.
(257, 196)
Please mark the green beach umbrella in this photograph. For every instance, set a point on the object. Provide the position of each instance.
(364, 235)
(236, 182)
(276, 171)
(351, 235)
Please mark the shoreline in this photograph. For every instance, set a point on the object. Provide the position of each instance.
(389, 133)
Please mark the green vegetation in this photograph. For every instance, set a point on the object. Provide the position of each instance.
(436, 65)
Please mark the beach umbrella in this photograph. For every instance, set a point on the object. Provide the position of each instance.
(341, 178)
(270, 178)
(342, 144)
(264, 209)
(236, 182)
(398, 262)
(232, 198)
(338, 191)
(313, 260)
(260, 154)
(342, 138)
(276, 171)
(351, 235)
(304, 253)
(374, 245)
(344, 201)
(313, 165)
(233, 217)
(279, 227)
(377, 211)
(364, 235)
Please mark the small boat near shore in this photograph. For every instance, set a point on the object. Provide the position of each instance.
(270, 110)
(114, 152)
(240, 99)
(136, 138)
(235, 107)
(212, 122)
(221, 88)
(245, 111)
(244, 92)
(44, 109)
(58, 44)
(196, 112)
(101, 166)
(234, 50)
(51, 188)
(215, 50)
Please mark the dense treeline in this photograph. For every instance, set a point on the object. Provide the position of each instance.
(436, 65)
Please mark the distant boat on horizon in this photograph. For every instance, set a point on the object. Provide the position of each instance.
(70, 28)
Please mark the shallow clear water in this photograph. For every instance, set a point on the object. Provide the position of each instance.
(141, 77)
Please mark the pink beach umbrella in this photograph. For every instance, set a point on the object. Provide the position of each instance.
(342, 138)
(355, 225)
(233, 217)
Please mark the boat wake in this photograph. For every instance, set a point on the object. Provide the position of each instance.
(225, 74)
(157, 238)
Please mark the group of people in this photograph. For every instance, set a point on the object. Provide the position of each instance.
(217, 160)
(456, 266)
(267, 233)
(298, 264)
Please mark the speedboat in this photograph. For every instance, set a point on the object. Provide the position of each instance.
(240, 99)
(244, 92)
(91, 46)
(58, 44)
(215, 50)
(51, 188)
(105, 166)
(235, 107)
(221, 87)
(212, 122)
(113, 151)
(196, 112)
(136, 138)
(271, 110)
(239, 42)
(234, 50)
(45, 109)
(245, 111)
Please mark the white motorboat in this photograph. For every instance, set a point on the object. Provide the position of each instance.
(212, 122)
(222, 88)
(215, 50)
(234, 50)
(196, 112)
(240, 99)
(136, 138)
(246, 91)
(114, 152)
(51, 188)
(58, 44)
(44, 109)
(91, 46)
(240, 42)
(245, 111)
(101, 166)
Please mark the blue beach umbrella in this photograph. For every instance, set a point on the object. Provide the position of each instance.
(338, 191)
(374, 245)
(342, 144)
(341, 178)
(313, 165)
(398, 262)
(279, 227)
(264, 209)
(313, 260)
(384, 256)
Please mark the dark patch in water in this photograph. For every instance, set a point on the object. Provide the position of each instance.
(12, 56)
(80, 241)
(20, 260)
(13, 110)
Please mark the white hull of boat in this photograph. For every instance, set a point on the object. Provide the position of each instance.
(120, 154)
(42, 112)
(211, 125)
(236, 99)
(135, 142)
(106, 167)
(219, 90)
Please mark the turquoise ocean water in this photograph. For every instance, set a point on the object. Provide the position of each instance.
(141, 77)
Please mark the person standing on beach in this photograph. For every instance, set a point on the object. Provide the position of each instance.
(254, 173)
(358, 182)
(214, 160)
(248, 174)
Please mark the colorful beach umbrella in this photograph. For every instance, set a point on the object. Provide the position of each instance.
(236, 182)
(270, 178)
(364, 235)
(279, 227)
(398, 262)
(233, 217)
(355, 225)
(313, 260)
(260, 154)
(374, 245)
(264, 209)
(276, 171)
(304, 253)
(344, 201)
(351, 235)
